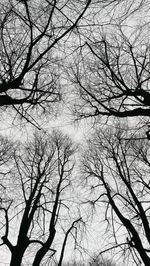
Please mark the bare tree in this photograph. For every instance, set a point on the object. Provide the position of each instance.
(35, 35)
(31, 36)
(111, 71)
(117, 170)
(41, 201)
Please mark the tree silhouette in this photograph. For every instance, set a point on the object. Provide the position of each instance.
(118, 172)
(31, 33)
(111, 72)
(39, 199)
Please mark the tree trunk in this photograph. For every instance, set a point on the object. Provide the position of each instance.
(16, 257)
(18, 251)
(44, 249)
(39, 256)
